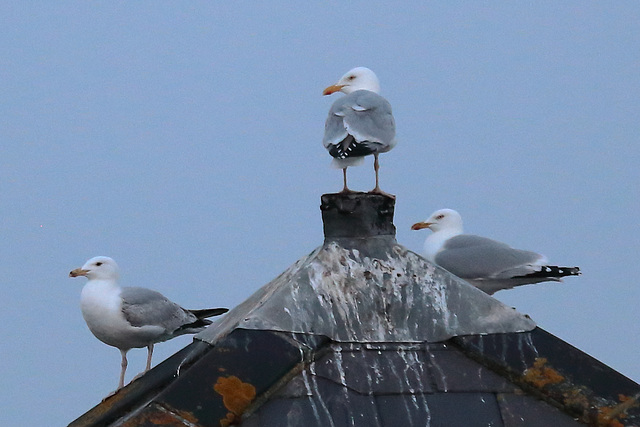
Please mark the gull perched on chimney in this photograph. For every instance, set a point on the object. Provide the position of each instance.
(359, 124)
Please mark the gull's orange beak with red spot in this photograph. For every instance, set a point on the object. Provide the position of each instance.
(421, 225)
(332, 89)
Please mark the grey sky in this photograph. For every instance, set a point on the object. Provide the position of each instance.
(184, 141)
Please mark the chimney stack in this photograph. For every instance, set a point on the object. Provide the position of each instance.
(357, 215)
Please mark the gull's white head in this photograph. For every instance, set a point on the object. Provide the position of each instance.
(98, 268)
(443, 219)
(359, 78)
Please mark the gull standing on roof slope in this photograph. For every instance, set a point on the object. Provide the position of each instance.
(487, 264)
(359, 124)
(129, 318)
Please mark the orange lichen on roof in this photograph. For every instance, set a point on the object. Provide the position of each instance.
(230, 419)
(236, 396)
(541, 375)
(610, 416)
(576, 397)
(605, 421)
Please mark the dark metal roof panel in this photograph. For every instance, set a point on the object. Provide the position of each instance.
(308, 380)
(514, 354)
(140, 391)
(460, 409)
(361, 385)
(241, 367)
(562, 375)
(526, 411)
(205, 384)
(369, 371)
(454, 372)
(330, 405)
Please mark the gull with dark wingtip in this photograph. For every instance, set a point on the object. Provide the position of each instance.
(487, 264)
(359, 124)
(133, 317)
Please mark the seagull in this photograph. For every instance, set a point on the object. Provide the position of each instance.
(359, 124)
(128, 317)
(487, 264)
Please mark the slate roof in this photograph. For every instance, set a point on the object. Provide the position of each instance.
(363, 332)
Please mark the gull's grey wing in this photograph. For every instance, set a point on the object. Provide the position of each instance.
(475, 257)
(359, 124)
(334, 130)
(145, 307)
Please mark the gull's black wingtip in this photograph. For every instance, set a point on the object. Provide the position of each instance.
(553, 272)
(209, 312)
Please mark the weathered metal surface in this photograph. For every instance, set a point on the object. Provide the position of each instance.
(524, 411)
(308, 380)
(559, 373)
(378, 292)
(204, 385)
(248, 359)
(427, 385)
(128, 399)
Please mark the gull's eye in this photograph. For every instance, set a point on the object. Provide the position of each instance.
(98, 264)
(440, 216)
(351, 77)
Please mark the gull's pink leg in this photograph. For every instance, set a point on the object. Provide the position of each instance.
(149, 354)
(123, 365)
(377, 190)
(376, 167)
(345, 189)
